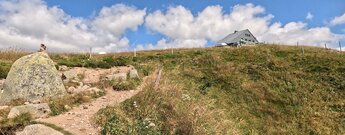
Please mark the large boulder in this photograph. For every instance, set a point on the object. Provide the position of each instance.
(32, 77)
(36, 110)
(38, 129)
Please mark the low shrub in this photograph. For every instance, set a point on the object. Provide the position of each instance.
(10, 126)
(125, 85)
(57, 105)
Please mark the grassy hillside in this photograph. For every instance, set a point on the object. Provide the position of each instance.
(260, 90)
(248, 90)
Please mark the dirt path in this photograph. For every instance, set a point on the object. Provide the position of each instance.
(78, 119)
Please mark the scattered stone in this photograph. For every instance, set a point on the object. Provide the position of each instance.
(67, 107)
(85, 107)
(70, 90)
(117, 76)
(63, 68)
(84, 88)
(36, 101)
(38, 129)
(69, 75)
(32, 77)
(36, 110)
(26, 103)
(133, 73)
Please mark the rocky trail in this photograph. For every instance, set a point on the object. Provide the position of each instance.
(78, 120)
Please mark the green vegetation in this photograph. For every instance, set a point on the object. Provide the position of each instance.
(250, 90)
(263, 89)
(4, 68)
(57, 105)
(130, 84)
(9, 126)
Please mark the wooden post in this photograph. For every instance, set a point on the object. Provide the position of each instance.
(172, 50)
(297, 44)
(135, 52)
(302, 50)
(158, 78)
(90, 55)
(325, 46)
(340, 46)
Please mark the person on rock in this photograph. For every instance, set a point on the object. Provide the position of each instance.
(43, 48)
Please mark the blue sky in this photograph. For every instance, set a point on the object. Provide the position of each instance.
(289, 17)
(284, 11)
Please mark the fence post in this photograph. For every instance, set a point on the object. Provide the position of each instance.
(90, 53)
(302, 50)
(340, 46)
(325, 46)
(297, 44)
(135, 52)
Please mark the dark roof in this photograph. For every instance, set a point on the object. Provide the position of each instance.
(234, 36)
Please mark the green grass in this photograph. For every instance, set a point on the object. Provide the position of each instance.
(57, 105)
(264, 89)
(10, 126)
(250, 90)
(130, 84)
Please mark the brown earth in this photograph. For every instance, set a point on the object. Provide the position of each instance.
(78, 119)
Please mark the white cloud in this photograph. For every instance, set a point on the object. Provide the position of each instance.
(26, 24)
(309, 16)
(338, 20)
(178, 24)
(177, 43)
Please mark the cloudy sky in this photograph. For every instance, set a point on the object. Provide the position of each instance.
(114, 26)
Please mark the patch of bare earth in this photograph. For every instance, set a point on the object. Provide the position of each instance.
(78, 120)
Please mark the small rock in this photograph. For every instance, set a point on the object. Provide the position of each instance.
(85, 107)
(26, 103)
(71, 90)
(133, 73)
(69, 118)
(117, 76)
(63, 68)
(67, 107)
(69, 75)
(36, 110)
(37, 101)
(38, 129)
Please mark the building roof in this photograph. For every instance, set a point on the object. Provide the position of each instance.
(233, 37)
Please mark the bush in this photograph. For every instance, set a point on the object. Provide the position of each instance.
(10, 126)
(57, 105)
(4, 69)
(125, 85)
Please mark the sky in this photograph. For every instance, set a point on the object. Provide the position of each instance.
(117, 26)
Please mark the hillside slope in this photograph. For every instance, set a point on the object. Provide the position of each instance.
(249, 90)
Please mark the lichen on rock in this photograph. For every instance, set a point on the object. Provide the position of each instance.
(32, 77)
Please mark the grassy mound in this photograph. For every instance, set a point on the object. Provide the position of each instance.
(263, 89)
(249, 90)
